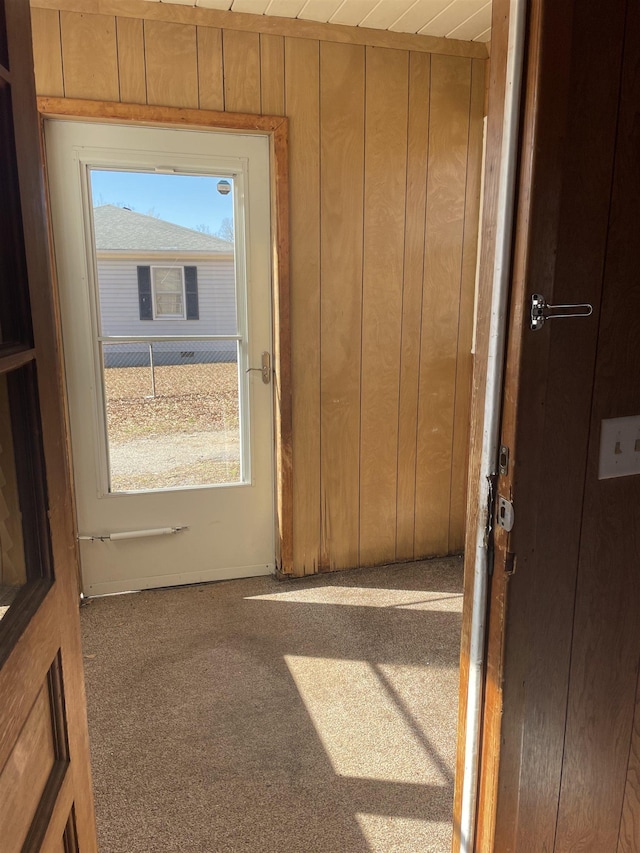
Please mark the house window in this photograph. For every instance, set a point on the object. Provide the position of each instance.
(168, 292)
(165, 293)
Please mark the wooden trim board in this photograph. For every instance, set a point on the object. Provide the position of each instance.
(276, 127)
(269, 24)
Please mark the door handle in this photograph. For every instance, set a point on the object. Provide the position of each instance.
(265, 370)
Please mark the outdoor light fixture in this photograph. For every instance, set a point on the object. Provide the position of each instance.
(224, 187)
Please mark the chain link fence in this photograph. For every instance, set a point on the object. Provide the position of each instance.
(172, 411)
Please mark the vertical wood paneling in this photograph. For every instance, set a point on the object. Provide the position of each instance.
(464, 365)
(89, 56)
(241, 53)
(272, 74)
(448, 138)
(172, 64)
(47, 53)
(210, 77)
(133, 82)
(379, 468)
(302, 61)
(342, 89)
(416, 199)
(387, 89)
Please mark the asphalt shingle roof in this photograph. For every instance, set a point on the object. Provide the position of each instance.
(120, 230)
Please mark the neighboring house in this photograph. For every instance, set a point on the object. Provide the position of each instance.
(160, 279)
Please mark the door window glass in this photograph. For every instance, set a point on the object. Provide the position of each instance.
(169, 342)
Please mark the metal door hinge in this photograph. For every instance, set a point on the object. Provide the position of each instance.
(541, 311)
(506, 514)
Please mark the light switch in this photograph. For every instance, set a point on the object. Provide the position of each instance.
(619, 447)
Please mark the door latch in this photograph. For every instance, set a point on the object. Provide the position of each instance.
(503, 460)
(541, 311)
(265, 370)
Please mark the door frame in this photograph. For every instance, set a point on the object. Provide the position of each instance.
(276, 129)
(480, 693)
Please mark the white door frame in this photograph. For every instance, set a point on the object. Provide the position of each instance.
(275, 128)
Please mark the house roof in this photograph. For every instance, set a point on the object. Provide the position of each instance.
(118, 229)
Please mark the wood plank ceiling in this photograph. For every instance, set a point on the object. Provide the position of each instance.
(469, 20)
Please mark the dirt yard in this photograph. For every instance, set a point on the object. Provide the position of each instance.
(189, 398)
(198, 402)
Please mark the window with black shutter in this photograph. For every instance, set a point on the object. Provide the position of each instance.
(191, 292)
(144, 293)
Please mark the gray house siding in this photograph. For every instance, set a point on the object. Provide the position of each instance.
(120, 314)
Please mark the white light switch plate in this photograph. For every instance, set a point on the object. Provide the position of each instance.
(619, 447)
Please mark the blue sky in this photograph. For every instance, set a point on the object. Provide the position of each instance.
(189, 200)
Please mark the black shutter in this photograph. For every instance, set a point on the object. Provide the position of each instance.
(144, 293)
(191, 292)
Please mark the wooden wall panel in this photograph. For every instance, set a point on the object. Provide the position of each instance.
(172, 64)
(448, 142)
(272, 74)
(89, 56)
(133, 78)
(210, 74)
(241, 53)
(416, 200)
(342, 100)
(387, 95)
(359, 269)
(302, 59)
(464, 362)
(47, 56)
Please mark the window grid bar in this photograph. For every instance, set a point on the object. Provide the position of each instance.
(146, 339)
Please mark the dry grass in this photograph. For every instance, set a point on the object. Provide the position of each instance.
(189, 398)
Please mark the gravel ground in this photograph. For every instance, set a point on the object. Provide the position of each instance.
(186, 435)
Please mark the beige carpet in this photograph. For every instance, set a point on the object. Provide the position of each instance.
(277, 717)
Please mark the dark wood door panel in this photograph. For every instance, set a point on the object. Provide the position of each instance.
(560, 246)
(45, 787)
(564, 646)
(606, 640)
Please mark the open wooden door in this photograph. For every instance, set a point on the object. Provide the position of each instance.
(561, 721)
(45, 786)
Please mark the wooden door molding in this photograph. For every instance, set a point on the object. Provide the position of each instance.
(496, 88)
(276, 128)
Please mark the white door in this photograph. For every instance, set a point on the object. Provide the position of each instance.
(166, 331)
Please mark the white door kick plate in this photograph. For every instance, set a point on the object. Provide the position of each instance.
(619, 447)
